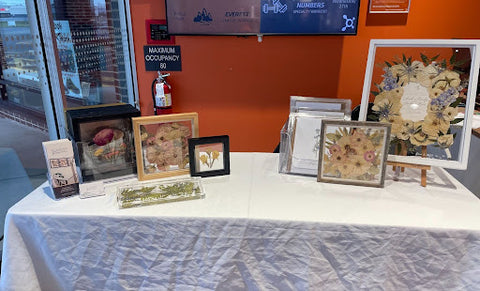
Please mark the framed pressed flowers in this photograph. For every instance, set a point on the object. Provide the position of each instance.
(161, 144)
(426, 90)
(209, 156)
(353, 152)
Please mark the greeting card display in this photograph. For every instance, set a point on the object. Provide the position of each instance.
(300, 136)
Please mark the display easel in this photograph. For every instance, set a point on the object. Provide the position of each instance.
(399, 166)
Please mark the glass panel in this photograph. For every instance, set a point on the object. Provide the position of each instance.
(92, 43)
(422, 92)
(23, 123)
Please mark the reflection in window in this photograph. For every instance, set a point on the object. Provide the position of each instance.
(93, 51)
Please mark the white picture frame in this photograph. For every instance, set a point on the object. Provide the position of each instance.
(380, 49)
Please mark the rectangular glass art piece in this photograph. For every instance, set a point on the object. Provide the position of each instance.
(162, 191)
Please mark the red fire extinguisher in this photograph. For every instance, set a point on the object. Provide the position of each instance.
(162, 94)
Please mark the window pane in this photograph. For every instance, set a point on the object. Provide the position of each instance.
(23, 123)
(93, 50)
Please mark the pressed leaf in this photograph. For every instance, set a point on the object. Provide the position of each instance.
(372, 117)
(456, 120)
(434, 58)
(457, 102)
(331, 136)
(461, 62)
(424, 59)
(444, 64)
(388, 64)
(453, 59)
(374, 93)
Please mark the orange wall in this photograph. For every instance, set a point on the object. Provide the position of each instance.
(241, 87)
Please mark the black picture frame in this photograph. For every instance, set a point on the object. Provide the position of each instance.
(118, 158)
(216, 148)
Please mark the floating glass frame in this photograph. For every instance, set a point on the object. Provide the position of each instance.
(353, 152)
(161, 144)
(209, 156)
(162, 191)
(426, 90)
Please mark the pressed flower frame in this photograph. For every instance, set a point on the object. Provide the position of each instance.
(417, 87)
(161, 144)
(353, 153)
(209, 156)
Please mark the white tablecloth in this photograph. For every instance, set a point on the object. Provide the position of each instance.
(257, 230)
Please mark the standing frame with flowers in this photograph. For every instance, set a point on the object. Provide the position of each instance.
(353, 152)
(426, 90)
(209, 156)
(161, 144)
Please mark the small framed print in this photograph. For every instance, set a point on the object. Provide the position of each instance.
(353, 153)
(161, 144)
(426, 90)
(209, 156)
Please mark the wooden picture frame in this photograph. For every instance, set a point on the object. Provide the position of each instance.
(426, 89)
(209, 156)
(161, 144)
(353, 153)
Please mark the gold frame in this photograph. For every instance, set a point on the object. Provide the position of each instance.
(139, 147)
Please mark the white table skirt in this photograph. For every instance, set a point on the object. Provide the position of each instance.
(257, 230)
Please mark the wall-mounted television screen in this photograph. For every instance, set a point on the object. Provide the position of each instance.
(251, 17)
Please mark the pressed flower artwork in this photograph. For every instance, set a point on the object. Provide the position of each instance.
(209, 156)
(162, 144)
(353, 152)
(422, 90)
(419, 97)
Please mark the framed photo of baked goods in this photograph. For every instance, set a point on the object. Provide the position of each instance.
(103, 140)
(161, 144)
(426, 90)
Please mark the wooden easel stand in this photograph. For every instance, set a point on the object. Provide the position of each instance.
(424, 168)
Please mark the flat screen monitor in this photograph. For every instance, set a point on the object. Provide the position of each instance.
(269, 17)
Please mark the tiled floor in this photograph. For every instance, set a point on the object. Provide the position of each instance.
(27, 143)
